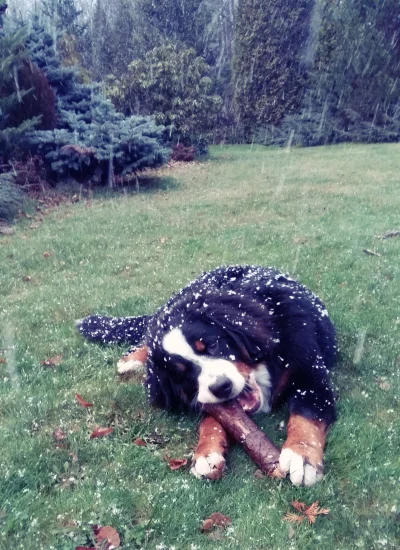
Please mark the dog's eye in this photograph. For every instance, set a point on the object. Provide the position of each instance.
(213, 347)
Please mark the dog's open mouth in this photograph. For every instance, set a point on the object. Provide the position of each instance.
(250, 398)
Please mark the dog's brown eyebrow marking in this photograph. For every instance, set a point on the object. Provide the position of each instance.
(199, 345)
(180, 366)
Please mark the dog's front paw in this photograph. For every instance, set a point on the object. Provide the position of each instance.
(132, 362)
(301, 469)
(302, 456)
(127, 366)
(211, 466)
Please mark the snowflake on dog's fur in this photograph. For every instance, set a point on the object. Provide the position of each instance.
(306, 512)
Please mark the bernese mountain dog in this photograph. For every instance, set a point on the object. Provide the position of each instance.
(238, 332)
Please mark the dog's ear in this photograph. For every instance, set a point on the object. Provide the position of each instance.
(160, 391)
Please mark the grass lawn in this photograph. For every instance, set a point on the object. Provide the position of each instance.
(310, 212)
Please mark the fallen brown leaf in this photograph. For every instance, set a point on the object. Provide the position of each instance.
(47, 254)
(140, 442)
(176, 463)
(220, 520)
(110, 535)
(314, 510)
(293, 518)
(299, 506)
(53, 361)
(305, 512)
(215, 520)
(82, 401)
(207, 526)
(101, 432)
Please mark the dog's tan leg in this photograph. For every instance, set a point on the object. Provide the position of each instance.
(209, 456)
(302, 455)
(133, 362)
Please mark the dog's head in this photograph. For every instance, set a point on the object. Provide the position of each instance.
(209, 349)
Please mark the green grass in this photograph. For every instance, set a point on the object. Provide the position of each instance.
(310, 212)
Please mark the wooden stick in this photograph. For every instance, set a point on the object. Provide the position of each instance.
(243, 430)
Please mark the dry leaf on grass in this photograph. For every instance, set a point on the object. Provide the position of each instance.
(53, 361)
(293, 518)
(215, 520)
(299, 506)
(306, 512)
(108, 534)
(82, 401)
(314, 510)
(140, 442)
(176, 463)
(47, 254)
(101, 432)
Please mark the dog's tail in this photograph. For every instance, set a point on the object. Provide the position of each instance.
(113, 330)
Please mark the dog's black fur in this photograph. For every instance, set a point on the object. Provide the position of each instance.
(250, 313)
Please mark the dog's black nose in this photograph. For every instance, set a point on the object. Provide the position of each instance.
(221, 388)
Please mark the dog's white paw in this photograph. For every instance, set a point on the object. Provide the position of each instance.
(211, 466)
(129, 366)
(299, 470)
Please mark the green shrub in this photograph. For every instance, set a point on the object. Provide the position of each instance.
(173, 84)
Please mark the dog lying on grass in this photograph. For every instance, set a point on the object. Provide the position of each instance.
(238, 332)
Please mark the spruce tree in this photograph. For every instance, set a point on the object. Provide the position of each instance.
(12, 57)
(92, 140)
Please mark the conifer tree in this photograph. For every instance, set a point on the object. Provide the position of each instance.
(12, 57)
(92, 140)
(268, 72)
(65, 20)
(354, 83)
